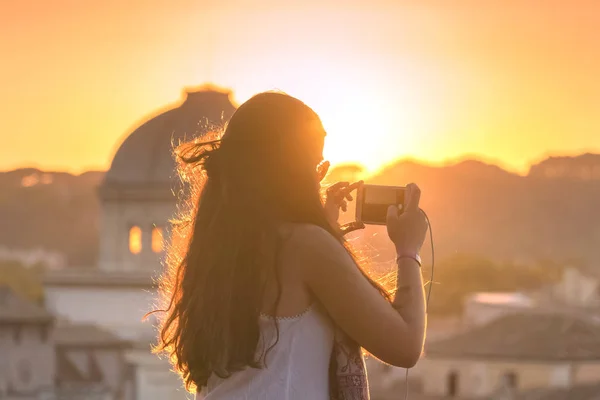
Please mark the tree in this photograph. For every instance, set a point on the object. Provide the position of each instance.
(345, 173)
(23, 280)
(462, 274)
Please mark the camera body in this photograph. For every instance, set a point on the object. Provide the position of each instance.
(373, 201)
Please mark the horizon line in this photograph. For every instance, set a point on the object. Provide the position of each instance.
(448, 162)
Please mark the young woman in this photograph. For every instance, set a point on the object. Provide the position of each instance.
(262, 294)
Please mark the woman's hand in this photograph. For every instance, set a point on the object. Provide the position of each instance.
(337, 197)
(408, 230)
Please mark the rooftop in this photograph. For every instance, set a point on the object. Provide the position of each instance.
(93, 277)
(144, 160)
(86, 335)
(15, 309)
(502, 298)
(527, 337)
(579, 392)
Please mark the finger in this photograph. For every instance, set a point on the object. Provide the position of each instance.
(392, 215)
(355, 185)
(351, 188)
(414, 197)
(352, 226)
(336, 191)
(323, 168)
(336, 187)
(344, 205)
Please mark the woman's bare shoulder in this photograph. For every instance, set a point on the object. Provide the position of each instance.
(311, 247)
(310, 238)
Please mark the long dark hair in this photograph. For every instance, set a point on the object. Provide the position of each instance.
(243, 185)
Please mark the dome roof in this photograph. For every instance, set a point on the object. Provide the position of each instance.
(144, 162)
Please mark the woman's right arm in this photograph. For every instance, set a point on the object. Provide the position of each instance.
(394, 332)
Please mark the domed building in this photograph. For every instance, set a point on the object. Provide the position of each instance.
(137, 201)
(137, 192)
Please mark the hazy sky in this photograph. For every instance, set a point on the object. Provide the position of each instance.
(506, 80)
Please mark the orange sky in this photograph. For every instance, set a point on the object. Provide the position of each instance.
(506, 80)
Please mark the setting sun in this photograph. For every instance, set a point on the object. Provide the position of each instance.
(366, 122)
(365, 129)
(360, 123)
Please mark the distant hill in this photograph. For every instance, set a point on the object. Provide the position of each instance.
(53, 211)
(585, 167)
(482, 209)
(553, 212)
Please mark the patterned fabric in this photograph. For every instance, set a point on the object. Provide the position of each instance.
(347, 370)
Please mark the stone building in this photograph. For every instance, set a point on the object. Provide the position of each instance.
(137, 201)
(515, 353)
(42, 358)
(27, 360)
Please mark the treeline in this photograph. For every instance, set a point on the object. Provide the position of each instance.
(23, 280)
(460, 275)
(455, 279)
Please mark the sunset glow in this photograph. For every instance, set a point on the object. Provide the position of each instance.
(506, 81)
(359, 122)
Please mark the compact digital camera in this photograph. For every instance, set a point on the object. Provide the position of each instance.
(373, 201)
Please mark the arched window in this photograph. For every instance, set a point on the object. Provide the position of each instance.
(157, 239)
(135, 240)
(452, 384)
(511, 380)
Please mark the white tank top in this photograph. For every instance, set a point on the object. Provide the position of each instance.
(296, 368)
